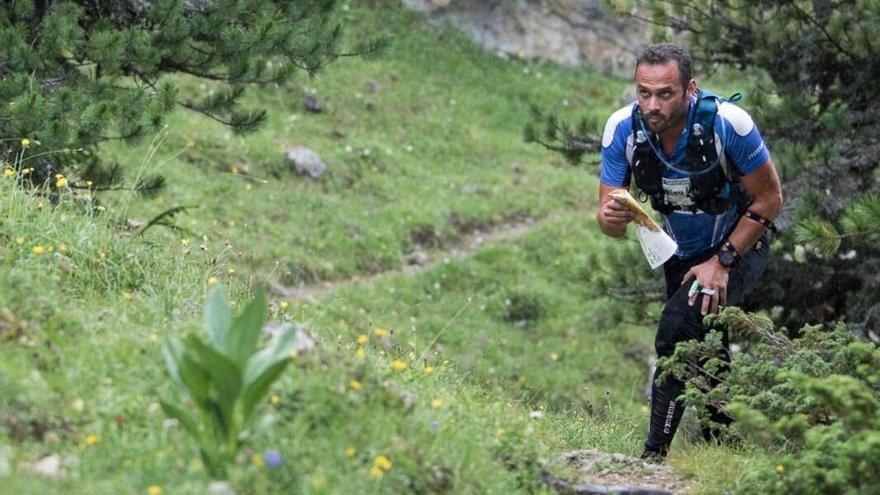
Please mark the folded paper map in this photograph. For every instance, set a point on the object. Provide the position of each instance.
(656, 244)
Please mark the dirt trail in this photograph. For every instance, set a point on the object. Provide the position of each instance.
(417, 261)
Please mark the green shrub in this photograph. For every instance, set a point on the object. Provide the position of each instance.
(813, 400)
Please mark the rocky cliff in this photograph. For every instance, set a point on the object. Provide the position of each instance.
(570, 32)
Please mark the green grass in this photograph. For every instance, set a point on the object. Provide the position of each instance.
(517, 326)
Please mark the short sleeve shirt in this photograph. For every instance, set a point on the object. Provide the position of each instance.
(737, 138)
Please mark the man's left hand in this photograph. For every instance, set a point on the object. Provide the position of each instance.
(712, 278)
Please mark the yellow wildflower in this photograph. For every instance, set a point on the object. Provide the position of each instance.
(274, 400)
(230, 271)
(380, 332)
(184, 242)
(92, 439)
(362, 339)
(248, 187)
(8, 172)
(89, 183)
(350, 452)
(25, 143)
(355, 385)
(60, 182)
(212, 280)
(398, 365)
(429, 370)
(154, 337)
(257, 460)
(39, 205)
(38, 249)
(780, 469)
(154, 490)
(127, 295)
(284, 304)
(234, 170)
(319, 481)
(19, 240)
(437, 403)
(62, 248)
(375, 472)
(26, 171)
(360, 353)
(383, 463)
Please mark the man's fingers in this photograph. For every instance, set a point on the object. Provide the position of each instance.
(707, 299)
(713, 303)
(722, 298)
(687, 276)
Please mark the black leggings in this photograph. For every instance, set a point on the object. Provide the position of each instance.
(680, 322)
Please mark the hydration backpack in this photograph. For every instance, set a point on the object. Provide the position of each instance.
(712, 188)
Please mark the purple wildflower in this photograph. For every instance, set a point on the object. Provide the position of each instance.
(435, 425)
(273, 459)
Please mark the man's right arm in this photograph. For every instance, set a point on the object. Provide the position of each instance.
(613, 217)
(614, 173)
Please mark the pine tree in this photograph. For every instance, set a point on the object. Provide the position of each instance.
(76, 73)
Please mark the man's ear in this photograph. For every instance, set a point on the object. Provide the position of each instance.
(692, 88)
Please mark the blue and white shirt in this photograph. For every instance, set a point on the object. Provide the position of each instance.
(736, 138)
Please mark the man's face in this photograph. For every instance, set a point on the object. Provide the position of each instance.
(664, 102)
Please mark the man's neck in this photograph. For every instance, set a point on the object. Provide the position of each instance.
(670, 136)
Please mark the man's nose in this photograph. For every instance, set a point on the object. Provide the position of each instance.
(652, 103)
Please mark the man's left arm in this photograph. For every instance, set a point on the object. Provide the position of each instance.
(763, 185)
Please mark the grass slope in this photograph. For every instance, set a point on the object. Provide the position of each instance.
(423, 146)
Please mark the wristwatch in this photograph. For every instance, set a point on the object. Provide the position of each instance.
(727, 255)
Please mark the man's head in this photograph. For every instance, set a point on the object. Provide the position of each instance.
(664, 84)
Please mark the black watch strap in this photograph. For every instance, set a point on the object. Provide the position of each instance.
(728, 246)
(728, 255)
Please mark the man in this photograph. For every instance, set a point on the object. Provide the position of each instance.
(718, 192)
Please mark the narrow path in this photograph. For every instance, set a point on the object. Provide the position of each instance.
(419, 260)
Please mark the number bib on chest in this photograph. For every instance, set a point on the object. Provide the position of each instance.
(677, 191)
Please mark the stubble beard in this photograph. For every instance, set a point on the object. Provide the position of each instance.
(668, 122)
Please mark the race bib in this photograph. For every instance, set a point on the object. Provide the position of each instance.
(677, 191)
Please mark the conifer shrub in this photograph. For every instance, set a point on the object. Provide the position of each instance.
(77, 73)
(812, 400)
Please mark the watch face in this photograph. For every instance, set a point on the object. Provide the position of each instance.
(726, 258)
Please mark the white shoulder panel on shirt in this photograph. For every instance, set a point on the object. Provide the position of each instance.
(740, 119)
(611, 125)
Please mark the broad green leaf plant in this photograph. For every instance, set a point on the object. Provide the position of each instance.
(225, 377)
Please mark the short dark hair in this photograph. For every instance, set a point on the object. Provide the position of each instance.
(660, 53)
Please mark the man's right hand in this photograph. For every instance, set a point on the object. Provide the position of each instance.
(613, 216)
(616, 213)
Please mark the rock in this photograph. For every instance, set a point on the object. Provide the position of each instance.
(220, 488)
(5, 460)
(49, 466)
(408, 399)
(312, 104)
(304, 342)
(305, 161)
(417, 258)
